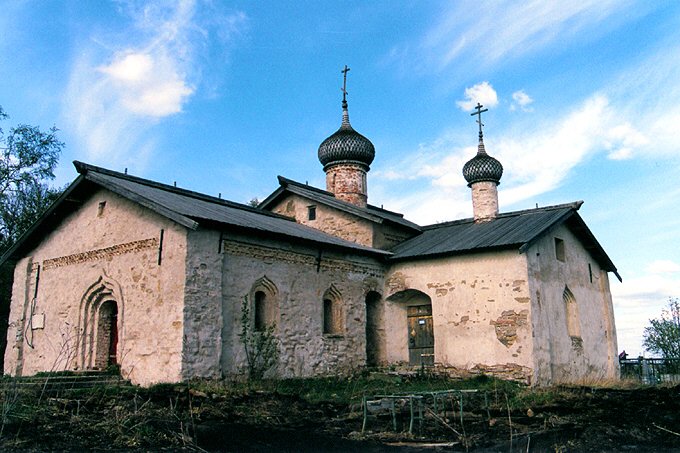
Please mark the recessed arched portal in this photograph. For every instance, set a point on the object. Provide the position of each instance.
(107, 335)
(375, 329)
(100, 326)
(412, 339)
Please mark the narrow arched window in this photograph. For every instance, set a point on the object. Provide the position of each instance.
(571, 308)
(260, 310)
(265, 310)
(333, 323)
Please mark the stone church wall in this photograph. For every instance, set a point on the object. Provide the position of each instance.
(328, 220)
(573, 318)
(203, 306)
(108, 250)
(481, 312)
(297, 278)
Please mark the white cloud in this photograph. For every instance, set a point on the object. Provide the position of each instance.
(663, 267)
(639, 299)
(535, 161)
(481, 93)
(130, 79)
(498, 30)
(522, 100)
(622, 140)
(147, 84)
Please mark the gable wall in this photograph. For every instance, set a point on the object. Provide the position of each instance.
(481, 312)
(328, 220)
(559, 358)
(89, 253)
(299, 280)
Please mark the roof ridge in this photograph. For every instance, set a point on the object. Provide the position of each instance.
(376, 208)
(575, 205)
(286, 181)
(369, 207)
(83, 168)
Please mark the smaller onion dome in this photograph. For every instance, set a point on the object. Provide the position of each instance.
(482, 167)
(346, 144)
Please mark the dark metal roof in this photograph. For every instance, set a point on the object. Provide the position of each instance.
(513, 230)
(372, 213)
(188, 208)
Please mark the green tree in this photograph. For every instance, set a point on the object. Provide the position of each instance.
(663, 334)
(261, 346)
(28, 157)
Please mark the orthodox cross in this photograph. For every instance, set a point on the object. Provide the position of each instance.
(479, 115)
(344, 83)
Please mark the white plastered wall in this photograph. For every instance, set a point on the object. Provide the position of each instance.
(481, 311)
(559, 357)
(109, 245)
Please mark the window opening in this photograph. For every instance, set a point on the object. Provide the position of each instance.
(332, 312)
(311, 212)
(573, 323)
(260, 310)
(559, 249)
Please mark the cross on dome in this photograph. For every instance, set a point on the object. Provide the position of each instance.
(344, 84)
(479, 117)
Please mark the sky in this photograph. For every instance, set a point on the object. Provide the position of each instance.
(221, 97)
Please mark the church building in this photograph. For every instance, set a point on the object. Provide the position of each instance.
(124, 271)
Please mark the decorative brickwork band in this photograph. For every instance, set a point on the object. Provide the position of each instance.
(270, 255)
(99, 254)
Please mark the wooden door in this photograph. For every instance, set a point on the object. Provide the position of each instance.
(420, 336)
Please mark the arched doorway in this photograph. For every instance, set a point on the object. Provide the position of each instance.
(107, 335)
(412, 339)
(100, 326)
(420, 335)
(375, 330)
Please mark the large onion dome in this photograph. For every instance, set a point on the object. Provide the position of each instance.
(482, 167)
(346, 145)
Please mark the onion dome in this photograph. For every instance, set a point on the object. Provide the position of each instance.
(482, 167)
(346, 144)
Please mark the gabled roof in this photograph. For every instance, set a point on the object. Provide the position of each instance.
(371, 213)
(512, 230)
(187, 208)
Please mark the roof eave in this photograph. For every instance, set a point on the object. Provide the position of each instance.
(19, 244)
(132, 196)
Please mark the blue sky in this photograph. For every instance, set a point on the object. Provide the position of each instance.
(583, 98)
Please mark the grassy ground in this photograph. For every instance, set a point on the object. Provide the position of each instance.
(325, 414)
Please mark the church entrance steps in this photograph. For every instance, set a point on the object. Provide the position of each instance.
(54, 383)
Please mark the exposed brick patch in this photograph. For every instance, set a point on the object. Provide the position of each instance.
(396, 283)
(506, 325)
(506, 371)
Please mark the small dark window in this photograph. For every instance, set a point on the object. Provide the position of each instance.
(590, 272)
(328, 316)
(559, 249)
(100, 210)
(260, 311)
(311, 212)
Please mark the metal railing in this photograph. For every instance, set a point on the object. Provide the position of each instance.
(651, 371)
